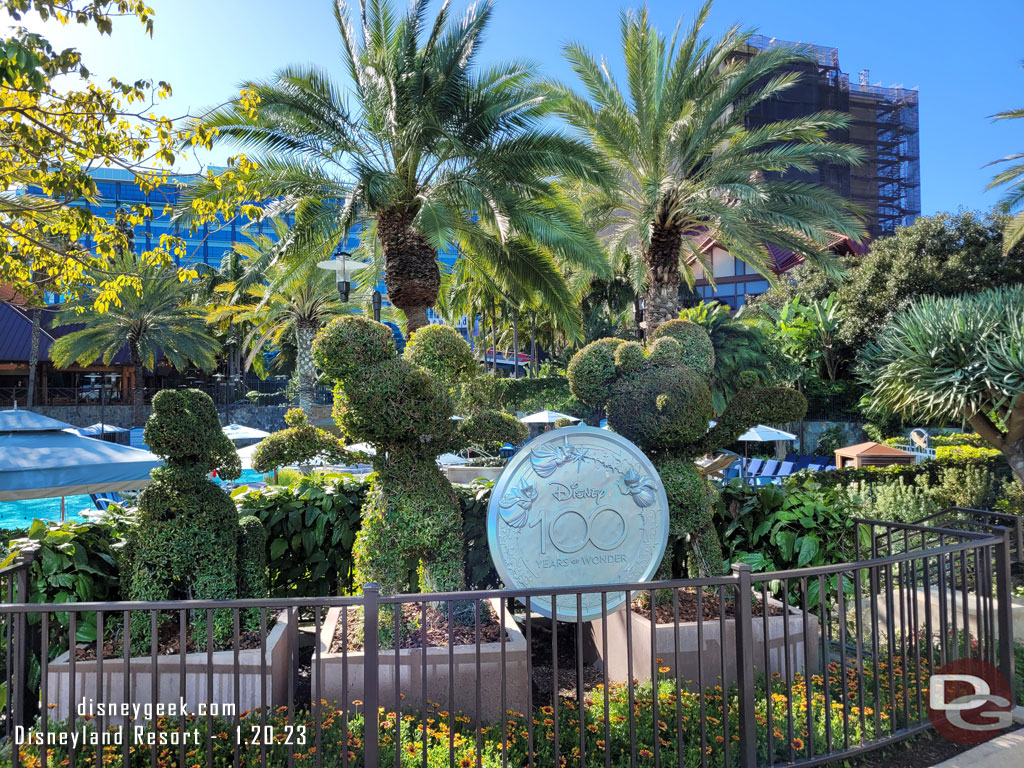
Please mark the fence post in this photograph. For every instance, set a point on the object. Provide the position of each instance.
(745, 665)
(1004, 620)
(371, 649)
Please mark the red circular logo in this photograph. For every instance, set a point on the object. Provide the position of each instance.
(969, 701)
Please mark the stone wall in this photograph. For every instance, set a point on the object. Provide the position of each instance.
(269, 418)
(809, 433)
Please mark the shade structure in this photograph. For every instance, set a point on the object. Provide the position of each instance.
(451, 460)
(43, 458)
(763, 434)
(245, 455)
(100, 429)
(546, 417)
(241, 432)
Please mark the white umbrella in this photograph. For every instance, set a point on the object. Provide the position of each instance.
(763, 434)
(366, 448)
(245, 454)
(451, 460)
(241, 432)
(546, 417)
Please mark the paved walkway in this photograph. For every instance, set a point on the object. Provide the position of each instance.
(1006, 751)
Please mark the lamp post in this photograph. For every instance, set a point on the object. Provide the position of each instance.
(342, 266)
(377, 301)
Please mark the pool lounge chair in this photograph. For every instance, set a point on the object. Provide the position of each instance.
(104, 500)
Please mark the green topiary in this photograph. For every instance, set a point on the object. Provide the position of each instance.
(661, 400)
(186, 538)
(411, 511)
(441, 350)
(697, 350)
(298, 445)
(252, 558)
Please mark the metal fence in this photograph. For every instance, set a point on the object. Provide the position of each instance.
(806, 666)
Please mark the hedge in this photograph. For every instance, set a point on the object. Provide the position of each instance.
(311, 528)
(946, 457)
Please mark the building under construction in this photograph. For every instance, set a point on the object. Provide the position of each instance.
(887, 186)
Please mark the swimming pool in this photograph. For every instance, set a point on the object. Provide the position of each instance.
(20, 514)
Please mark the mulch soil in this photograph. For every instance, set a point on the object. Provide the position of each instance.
(710, 606)
(437, 629)
(926, 749)
(168, 643)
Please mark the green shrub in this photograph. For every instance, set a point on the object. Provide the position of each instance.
(310, 528)
(297, 445)
(75, 562)
(794, 525)
(185, 541)
(697, 350)
(831, 439)
(970, 486)
(1011, 500)
(898, 499)
(957, 457)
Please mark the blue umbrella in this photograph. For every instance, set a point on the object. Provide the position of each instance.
(43, 458)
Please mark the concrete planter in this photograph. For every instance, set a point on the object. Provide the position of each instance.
(461, 665)
(253, 687)
(932, 596)
(705, 658)
(465, 475)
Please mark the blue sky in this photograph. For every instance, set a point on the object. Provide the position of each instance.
(965, 58)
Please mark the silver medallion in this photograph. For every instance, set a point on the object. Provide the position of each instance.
(577, 506)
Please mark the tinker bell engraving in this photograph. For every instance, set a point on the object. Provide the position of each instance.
(515, 505)
(639, 487)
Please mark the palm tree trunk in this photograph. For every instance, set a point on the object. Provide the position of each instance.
(515, 343)
(33, 358)
(638, 314)
(533, 347)
(138, 385)
(661, 297)
(304, 367)
(411, 273)
(494, 337)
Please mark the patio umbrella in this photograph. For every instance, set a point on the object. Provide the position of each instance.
(44, 458)
(763, 434)
(546, 417)
(100, 429)
(240, 432)
(366, 448)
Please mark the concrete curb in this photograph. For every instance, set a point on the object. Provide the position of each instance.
(1006, 751)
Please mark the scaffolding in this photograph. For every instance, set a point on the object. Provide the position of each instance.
(883, 123)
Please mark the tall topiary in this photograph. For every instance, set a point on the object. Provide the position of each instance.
(404, 410)
(660, 398)
(187, 542)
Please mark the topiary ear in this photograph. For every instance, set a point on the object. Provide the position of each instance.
(629, 357)
(441, 350)
(350, 344)
(697, 350)
(592, 371)
(666, 351)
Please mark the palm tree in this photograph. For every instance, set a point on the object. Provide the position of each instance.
(1013, 178)
(435, 151)
(154, 318)
(685, 164)
(291, 306)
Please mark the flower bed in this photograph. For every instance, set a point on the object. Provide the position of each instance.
(254, 688)
(666, 722)
(707, 652)
(341, 673)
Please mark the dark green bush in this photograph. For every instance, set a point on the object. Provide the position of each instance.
(961, 457)
(491, 429)
(310, 529)
(185, 541)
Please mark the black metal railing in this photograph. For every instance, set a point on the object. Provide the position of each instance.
(808, 666)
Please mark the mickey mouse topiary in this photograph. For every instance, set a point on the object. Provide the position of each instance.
(187, 541)
(660, 398)
(404, 410)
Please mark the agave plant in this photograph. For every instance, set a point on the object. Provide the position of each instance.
(955, 359)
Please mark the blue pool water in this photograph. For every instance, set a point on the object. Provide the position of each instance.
(20, 514)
